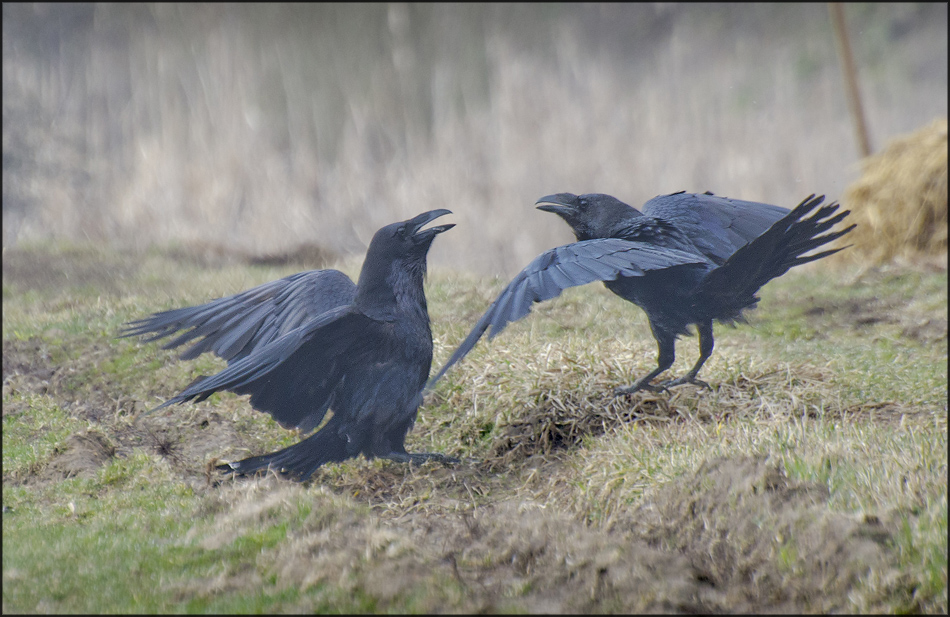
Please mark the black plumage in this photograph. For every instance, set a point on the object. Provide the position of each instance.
(686, 259)
(314, 342)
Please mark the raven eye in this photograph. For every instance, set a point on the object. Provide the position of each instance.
(401, 231)
(583, 203)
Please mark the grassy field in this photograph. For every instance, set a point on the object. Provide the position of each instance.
(812, 477)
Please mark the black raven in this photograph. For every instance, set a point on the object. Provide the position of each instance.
(688, 258)
(315, 341)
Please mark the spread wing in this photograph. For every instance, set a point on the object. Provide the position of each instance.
(294, 377)
(776, 251)
(566, 266)
(235, 326)
(717, 226)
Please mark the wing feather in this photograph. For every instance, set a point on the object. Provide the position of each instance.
(235, 326)
(571, 265)
(294, 377)
(718, 226)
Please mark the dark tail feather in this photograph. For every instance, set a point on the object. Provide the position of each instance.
(298, 461)
(732, 286)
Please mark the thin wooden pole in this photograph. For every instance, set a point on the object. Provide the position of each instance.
(850, 73)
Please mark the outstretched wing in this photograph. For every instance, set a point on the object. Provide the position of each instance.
(235, 326)
(553, 271)
(783, 246)
(717, 226)
(294, 377)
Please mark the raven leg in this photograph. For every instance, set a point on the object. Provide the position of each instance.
(666, 354)
(706, 343)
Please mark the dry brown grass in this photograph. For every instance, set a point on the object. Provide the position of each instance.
(260, 128)
(900, 201)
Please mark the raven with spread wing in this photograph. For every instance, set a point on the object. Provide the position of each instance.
(686, 259)
(314, 342)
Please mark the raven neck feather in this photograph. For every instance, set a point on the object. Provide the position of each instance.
(384, 296)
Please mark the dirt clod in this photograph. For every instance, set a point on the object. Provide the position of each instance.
(746, 526)
(84, 454)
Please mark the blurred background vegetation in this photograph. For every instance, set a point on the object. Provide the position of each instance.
(256, 129)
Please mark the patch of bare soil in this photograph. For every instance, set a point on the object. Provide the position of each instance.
(563, 418)
(187, 439)
(768, 543)
(545, 561)
(187, 444)
(83, 454)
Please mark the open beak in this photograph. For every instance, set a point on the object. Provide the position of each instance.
(416, 224)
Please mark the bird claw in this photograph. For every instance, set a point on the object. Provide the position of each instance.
(637, 386)
(419, 458)
(679, 381)
(663, 386)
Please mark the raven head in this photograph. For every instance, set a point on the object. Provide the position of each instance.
(395, 265)
(593, 215)
(407, 238)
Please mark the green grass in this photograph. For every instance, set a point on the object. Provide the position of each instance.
(818, 460)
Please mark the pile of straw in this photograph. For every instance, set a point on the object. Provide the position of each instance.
(900, 201)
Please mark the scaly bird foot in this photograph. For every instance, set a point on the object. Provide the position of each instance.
(679, 381)
(640, 384)
(420, 457)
